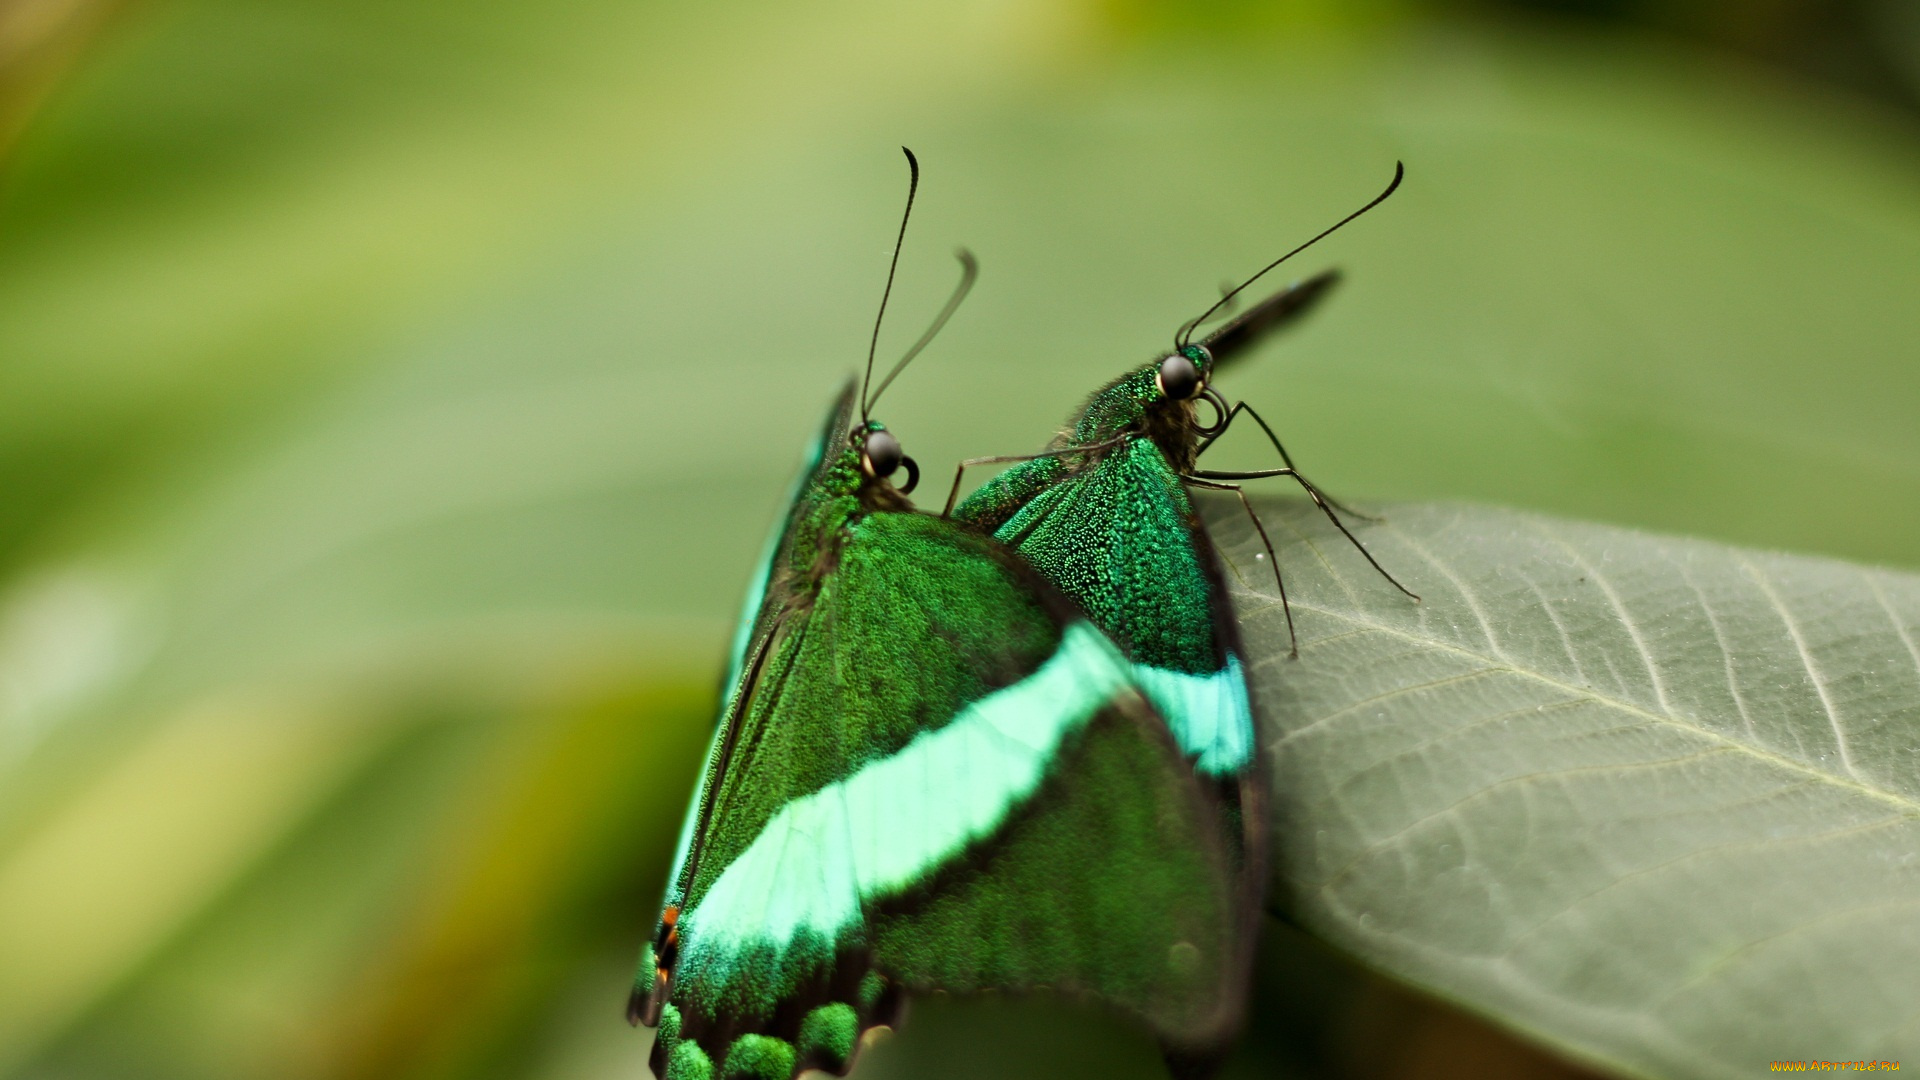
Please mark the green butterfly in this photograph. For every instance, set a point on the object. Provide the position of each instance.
(930, 772)
(1104, 515)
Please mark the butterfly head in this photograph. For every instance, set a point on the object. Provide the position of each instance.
(1182, 375)
(879, 453)
(881, 457)
(1155, 400)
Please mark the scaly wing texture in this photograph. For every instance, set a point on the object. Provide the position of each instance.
(768, 595)
(1111, 881)
(1121, 538)
(992, 503)
(903, 748)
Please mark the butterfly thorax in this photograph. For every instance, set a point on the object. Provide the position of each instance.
(1112, 525)
(843, 494)
(1133, 405)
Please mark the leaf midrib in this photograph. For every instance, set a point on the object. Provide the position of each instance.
(1909, 806)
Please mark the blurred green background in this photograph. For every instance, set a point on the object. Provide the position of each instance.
(393, 397)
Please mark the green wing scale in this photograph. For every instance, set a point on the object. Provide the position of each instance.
(1106, 517)
(1121, 537)
(931, 773)
(1104, 514)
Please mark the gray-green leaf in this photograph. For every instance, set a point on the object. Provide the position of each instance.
(1654, 801)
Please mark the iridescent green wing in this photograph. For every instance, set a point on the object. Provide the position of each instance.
(768, 594)
(934, 776)
(1121, 537)
(1106, 517)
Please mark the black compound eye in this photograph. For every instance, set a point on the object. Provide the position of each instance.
(883, 454)
(1178, 378)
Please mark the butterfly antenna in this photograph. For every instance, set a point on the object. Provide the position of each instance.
(1227, 289)
(913, 185)
(969, 271)
(1181, 339)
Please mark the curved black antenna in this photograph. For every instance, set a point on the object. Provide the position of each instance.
(913, 185)
(1227, 289)
(969, 271)
(1182, 339)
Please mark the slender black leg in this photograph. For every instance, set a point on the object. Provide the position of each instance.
(1293, 639)
(1320, 501)
(953, 493)
(1285, 458)
(1225, 422)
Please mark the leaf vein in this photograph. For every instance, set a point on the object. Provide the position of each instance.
(1466, 594)
(1726, 654)
(1494, 718)
(1893, 617)
(1566, 639)
(1520, 781)
(1806, 658)
(1733, 955)
(1713, 849)
(1619, 608)
(1760, 753)
(1388, 695)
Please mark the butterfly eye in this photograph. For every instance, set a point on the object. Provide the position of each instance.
(882, 454)
(1178, 379)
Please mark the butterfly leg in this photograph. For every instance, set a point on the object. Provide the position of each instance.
(953, 493)
(1321, 501)
(1284, 456)
(1293, 639)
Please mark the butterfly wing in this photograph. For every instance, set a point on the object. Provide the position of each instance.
(1234, 337)
(1122, 538)
(768, 595)
(927, 779)
(1111, 879)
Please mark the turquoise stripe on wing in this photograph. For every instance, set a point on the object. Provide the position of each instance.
(1209, 714)
(932, 774)
(1120, 536)
(892, 825)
